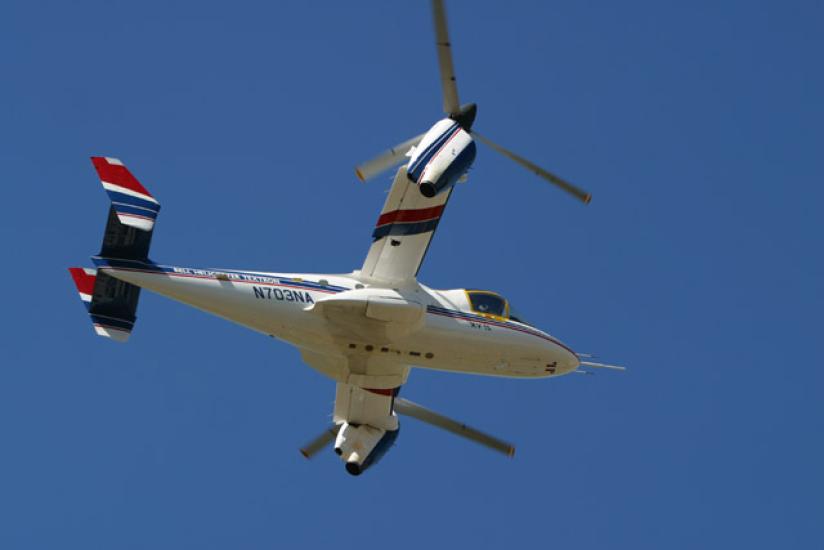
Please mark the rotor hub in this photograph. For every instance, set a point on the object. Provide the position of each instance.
(466, 116)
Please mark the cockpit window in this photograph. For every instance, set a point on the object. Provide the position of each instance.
(487, 302)
(516, 316)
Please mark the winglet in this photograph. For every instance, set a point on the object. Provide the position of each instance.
(132, 202)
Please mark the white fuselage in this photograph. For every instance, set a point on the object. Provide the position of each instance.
(414, 326)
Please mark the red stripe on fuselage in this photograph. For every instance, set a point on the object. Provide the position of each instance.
(82, 280)
(405, 216)
(118, 175)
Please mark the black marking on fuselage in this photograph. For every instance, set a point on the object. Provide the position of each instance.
(282, 295)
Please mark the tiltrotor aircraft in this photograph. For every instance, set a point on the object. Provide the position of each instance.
(366, 329)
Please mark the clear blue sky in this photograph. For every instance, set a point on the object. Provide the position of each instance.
(699, 129)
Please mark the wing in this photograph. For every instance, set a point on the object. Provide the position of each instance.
(403, 232)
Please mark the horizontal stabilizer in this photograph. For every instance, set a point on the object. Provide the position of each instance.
(134, 205)
(111, 303)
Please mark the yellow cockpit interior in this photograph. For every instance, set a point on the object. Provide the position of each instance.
(492, 304)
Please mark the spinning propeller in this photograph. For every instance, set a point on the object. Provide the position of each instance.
(464, 115)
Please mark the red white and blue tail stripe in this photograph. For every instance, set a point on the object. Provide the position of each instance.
(109, 324)
(84, 278)
(134, 205)
(112, 303)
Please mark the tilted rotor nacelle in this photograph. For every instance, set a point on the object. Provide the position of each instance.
(362, 445)
(444, 154)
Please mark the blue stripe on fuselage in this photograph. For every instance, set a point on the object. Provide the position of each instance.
(246, 276)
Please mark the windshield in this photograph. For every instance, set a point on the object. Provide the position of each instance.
(515, 315)
(486, 302)
(491, 303)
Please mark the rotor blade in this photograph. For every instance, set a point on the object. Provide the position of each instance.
(451, 105)
(408, 408)
(537, 170)
(385, 160)
(313, 447)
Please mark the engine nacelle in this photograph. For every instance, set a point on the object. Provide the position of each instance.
(443, 155)
(360, 446)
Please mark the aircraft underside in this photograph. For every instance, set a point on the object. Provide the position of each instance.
(366, 330)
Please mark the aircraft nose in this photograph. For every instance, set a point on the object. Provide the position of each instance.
(571, 359)
(566, 360)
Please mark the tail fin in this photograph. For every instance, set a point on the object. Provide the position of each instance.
(112, 303)
(134, 205)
